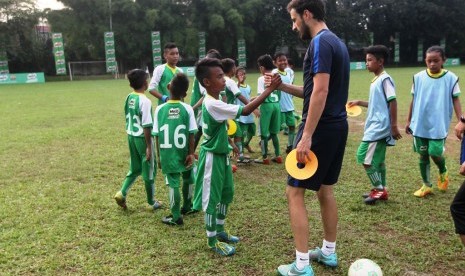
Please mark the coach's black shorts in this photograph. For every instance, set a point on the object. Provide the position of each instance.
(457, 210)
(328, 144)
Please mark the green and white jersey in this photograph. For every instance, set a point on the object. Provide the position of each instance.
(138, 110)
(162, 75)
(215, 113)
(274, 97)
(232, 91)
(173, 122)
(198, 91)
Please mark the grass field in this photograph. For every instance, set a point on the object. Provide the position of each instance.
(63, 156)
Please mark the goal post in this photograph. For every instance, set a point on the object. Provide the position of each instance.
(90, 70)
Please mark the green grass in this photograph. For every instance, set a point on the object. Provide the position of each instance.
(63, 156)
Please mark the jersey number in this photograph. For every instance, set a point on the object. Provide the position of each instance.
(133, 127)
(179, 137)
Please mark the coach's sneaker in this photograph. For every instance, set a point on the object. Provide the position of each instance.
(443, 181)
(291, 269)
(376, 194)
(264, 161)
(120, 200)
(170, 221)
(277, 159)
(223, 249)
(226, 237)
(423, 191)
(317, 255)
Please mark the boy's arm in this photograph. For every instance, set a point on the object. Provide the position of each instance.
(235, 149)
(409, 119)
(393, 114)
(357, 102)
(157, 73)
(249, 108)
(190, 155)
(292, 89)
(148, 141)
(158, 152)
(198, 103)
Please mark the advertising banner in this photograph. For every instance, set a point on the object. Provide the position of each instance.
(202, 46)
(59, 53)
(110, 56)
(241, 56)
(156, 49)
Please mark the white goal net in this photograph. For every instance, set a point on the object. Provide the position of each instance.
(87, 70)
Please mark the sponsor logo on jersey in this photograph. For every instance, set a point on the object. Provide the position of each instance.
(132, 103)
(173, 113)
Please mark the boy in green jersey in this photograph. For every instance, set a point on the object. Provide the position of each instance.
(163, 74)
(138, 110)
(214, 187)
(174, 127)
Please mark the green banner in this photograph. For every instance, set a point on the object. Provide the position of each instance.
(22, 78)
(358, 65)
(420, 50)
(189, 71)
(396, 48)
(452, 62)
(241, 54)
(110, 56)
(202, 47)
(4, 63)
(59, 53)
(156, 49)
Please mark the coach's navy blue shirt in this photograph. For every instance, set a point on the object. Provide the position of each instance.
(328, 54)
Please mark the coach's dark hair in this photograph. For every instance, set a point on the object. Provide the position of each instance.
(266, 61)
(316, 7)
(379, 51)
(179, 85)
(228, 65)
(437, 49)
(213, 53)
(202, 69)
(137, 78)
(169, 46)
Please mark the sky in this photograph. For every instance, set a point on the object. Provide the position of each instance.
(52, 4)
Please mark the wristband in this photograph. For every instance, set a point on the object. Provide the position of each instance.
(164, 98)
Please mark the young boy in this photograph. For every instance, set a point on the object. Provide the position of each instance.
(138, 110)
(174, 128)
(381, 123)
(435, 93)
(162, 74)
(286, 104)
(247, 126)
(270, 118)
(214, 187)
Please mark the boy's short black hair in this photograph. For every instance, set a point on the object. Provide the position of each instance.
(278, 55)
(379, 51)
(240, 68)
(137, 78)
(179, 85)
(213, 53)
(169, 46)
(266, 61)
(438, 49)
(228, 65)
(316, 7)
(202, 69)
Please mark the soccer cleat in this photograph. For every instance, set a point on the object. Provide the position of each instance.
(277, 159)
(226, 237)
(288, 149)
(376, 194)
(191, 211)
(169, 220)
(291, 269)
(423, 191)
(120, 200)
(224, 249)
(264, 161)
(155, 206)
(443, 181)
(234, 168)
(244, 160)
(317, 255)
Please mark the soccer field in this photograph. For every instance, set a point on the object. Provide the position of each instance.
(64, 155)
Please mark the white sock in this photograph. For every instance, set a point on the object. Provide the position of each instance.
(301, 260)
(328, 248)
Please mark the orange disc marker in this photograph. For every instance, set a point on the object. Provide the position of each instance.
(301, 171)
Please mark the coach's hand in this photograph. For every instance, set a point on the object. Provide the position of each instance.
(303, 149)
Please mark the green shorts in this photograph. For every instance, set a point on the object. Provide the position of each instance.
(372, 153)
(270, 119)
(248, 129)
(173, 179)
(433, 147)
(138, 161)
(288, 118)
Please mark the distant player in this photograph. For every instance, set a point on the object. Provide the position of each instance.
(435, 94)
(174, 128)
(286, 103)
(380, 125)
(270, 114)
(247, 127)
(214, 186)
(139, 122)
(162, 74)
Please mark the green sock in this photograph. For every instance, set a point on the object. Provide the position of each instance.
(275, 140)
(221, 216)
(424, 169)
(440, 161)
(150, 191)
(175, 202)
(127, 183)
(210, 225)
(264, 146)
(375, 177)
(382, 170)
(290, 138)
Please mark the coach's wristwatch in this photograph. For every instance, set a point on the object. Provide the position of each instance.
(462, 119)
